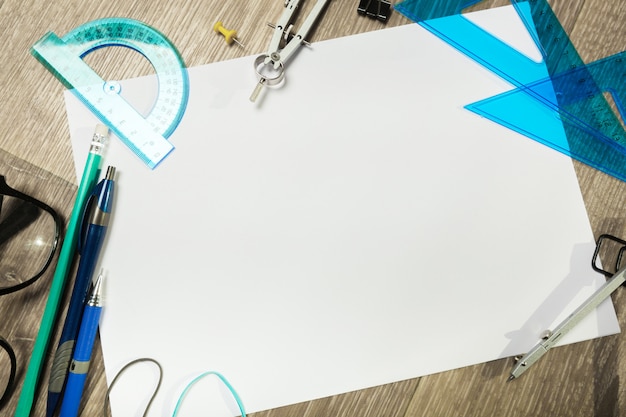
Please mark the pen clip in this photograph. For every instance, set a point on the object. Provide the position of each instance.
(90, 206)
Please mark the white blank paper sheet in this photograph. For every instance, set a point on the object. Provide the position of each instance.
(353, 228)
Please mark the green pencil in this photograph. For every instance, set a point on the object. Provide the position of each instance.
(66, 258)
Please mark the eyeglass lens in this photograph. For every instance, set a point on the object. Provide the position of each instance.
(27, 236)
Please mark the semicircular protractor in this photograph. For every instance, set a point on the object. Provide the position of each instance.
(145, 136)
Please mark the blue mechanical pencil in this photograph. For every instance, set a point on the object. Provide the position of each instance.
(82, 354)
(95, 222)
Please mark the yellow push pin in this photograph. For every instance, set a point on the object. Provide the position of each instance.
(229, 35)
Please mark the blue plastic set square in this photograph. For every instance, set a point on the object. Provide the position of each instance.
(561, 93)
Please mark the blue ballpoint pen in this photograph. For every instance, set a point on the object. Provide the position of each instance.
(95, 222)
(82, 354)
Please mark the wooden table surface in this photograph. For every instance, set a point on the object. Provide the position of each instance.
(584, 379)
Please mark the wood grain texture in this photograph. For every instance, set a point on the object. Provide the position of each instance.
(585, 379)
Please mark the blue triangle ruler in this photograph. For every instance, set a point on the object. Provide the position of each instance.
(559, 96)
(576, 103)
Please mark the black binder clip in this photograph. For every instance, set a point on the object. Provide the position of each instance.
(376, 9)
(609, 246)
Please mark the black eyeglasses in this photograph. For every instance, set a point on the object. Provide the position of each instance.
(29, 236)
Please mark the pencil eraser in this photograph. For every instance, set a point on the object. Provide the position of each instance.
(102, 130)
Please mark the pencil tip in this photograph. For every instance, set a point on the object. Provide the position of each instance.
(511, 378)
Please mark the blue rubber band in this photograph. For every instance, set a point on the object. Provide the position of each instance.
(223, 379)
